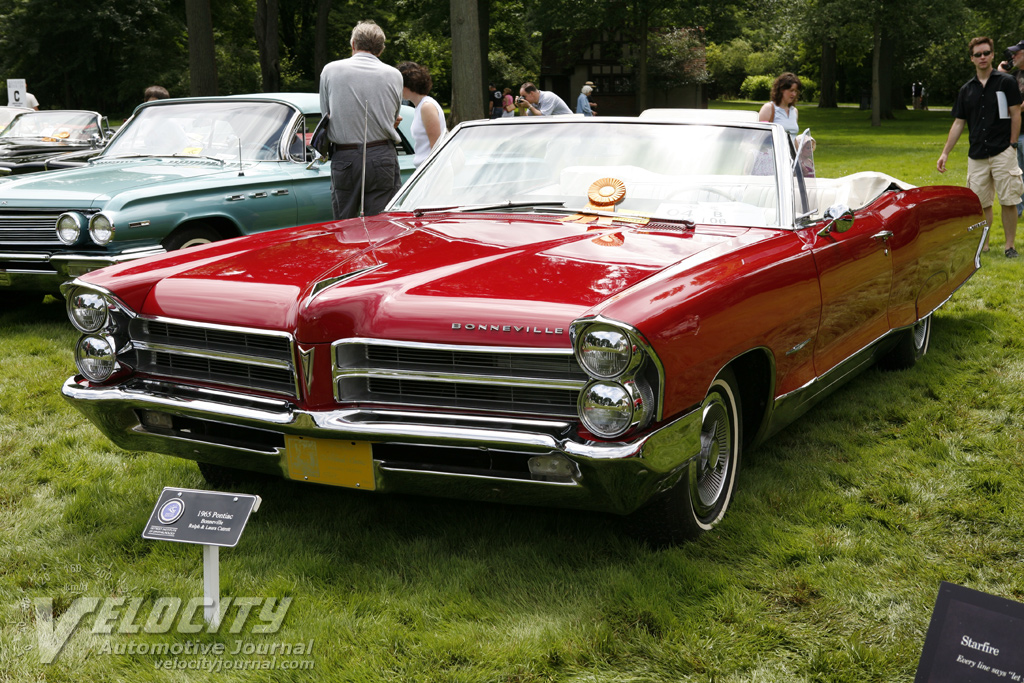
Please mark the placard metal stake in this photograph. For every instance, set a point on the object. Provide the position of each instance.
(211, 584)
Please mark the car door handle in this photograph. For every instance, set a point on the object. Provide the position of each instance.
(258, 195)
(883, 236)
(235, 197)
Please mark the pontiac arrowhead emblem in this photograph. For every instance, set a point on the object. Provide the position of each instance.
(306, 359)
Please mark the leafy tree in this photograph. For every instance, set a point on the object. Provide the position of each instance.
(98, 54)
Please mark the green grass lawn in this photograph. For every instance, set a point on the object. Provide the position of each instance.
(825, 569)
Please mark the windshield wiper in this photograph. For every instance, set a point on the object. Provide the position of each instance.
(125, 156)
(195, 156)
(483, 207)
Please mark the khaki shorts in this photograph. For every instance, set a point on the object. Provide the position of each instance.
(1000, 174)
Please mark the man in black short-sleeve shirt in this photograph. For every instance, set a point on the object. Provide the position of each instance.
(989, 104)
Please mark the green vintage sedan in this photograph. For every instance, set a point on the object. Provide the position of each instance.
(179, 173)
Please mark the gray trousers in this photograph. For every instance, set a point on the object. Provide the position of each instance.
(382, 180)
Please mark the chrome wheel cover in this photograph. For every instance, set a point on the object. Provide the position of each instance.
(711, 470)
(921, 331)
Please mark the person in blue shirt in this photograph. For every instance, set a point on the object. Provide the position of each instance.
(583, 102)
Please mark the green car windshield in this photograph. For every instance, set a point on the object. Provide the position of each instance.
(230, 131)
(711, 174)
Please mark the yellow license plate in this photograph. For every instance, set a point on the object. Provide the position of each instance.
(330, 461)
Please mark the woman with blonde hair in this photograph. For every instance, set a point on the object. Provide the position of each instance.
(507, 104)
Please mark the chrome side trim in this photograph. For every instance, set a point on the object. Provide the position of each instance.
(798, 347)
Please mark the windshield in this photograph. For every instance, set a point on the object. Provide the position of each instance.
(7, 114)
(222, 130)
(703, 173)
(53, 126)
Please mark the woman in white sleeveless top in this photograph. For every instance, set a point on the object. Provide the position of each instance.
(428, 126)
(782, 110)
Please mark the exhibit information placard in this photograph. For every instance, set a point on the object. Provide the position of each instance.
(202, 517)
(973, 637)
(16, 92)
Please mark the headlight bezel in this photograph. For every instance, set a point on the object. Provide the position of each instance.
(641, 377)
(72, 306)
(80, 224)
(624, 403)
(586, 349)
(99, 342)
(95, 227)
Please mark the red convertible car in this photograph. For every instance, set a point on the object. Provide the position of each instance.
(594, 313)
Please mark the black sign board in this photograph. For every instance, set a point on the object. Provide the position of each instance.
(974, 637)
(202, 517)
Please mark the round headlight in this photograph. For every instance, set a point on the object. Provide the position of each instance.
(605, 351)
(101, 229)
(69, 227)
(606, 408)
(95, 357)
(87, 310)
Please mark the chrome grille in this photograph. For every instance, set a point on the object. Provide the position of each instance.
(29, 228)
(216, 339)
(250, 359)
(522, 381)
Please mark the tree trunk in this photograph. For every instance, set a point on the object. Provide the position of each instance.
(483, 9)
(202, 61)
(641, 75)
(467, 96)
(320, 53)
(827, 96)
(267, 42)
(885, 69)
(876, 58)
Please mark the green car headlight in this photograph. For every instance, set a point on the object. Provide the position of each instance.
(101, 229)
(69, 227)
(88, 310)
(606, 408)
(604, 351)
(96, 357)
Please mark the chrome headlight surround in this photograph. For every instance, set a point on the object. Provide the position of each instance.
(93, 309)
(96, 357)
(88, 310)
(69, 227)
(606, 351)
(626, 377)
(101, 229)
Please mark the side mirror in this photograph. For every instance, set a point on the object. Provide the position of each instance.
(316, 157)
(838, 218)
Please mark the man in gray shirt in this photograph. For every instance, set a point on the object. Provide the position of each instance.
(362, 88)
(542, 102)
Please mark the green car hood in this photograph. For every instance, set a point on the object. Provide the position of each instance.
(94, 185)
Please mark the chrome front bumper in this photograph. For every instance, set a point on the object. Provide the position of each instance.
(248, 433)
(44, 272)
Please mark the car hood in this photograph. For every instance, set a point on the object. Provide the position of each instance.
(91, 186)
(454, 279)
(12, 151)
